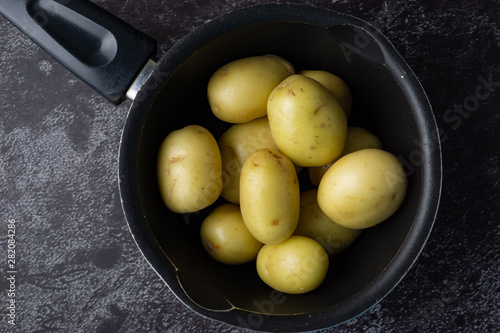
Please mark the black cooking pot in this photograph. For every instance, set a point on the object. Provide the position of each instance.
(169, 94)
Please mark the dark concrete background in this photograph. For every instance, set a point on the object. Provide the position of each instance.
(78, 269)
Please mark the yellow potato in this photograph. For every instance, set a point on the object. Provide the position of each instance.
(335, 85)
(363, 188)
(313, 223)
(307, 123)
(316, 173)
(236, 144)
(269, 196)
(296, 266)
(357, 138)
(238, 91)
(226, 238)
(189, 169)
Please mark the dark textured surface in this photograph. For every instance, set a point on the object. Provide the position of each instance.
(78, 269)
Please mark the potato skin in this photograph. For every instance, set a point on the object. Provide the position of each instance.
(313, 223)
(238, 91)
(236, 144)
(269, 196)
(360, 138)
(189, 169)
(363, 188)
(296, 266)
(357, 138)
(307, 123)
(335, 85)
(226, 238)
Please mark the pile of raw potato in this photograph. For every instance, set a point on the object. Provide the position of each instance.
(283, 122)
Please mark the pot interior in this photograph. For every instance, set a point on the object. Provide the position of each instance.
(386, 101)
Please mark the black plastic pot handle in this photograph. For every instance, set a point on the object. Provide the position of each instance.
(102, 50)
